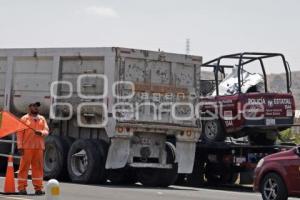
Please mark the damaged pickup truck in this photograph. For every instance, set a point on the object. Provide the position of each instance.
(240, 103)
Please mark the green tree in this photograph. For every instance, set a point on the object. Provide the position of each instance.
(289, 136)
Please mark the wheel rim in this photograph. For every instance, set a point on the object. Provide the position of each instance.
(79, 162)
(270, 189)
(50, 160)
(211, 130)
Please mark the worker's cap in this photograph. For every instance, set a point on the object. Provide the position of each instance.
(37, 104)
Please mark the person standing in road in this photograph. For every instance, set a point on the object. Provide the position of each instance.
(31, 146)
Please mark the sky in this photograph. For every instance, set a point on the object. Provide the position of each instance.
(214, 27)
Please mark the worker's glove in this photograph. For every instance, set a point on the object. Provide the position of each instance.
(39, 133)
(21, 152)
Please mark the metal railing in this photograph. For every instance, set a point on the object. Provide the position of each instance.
(13, 142)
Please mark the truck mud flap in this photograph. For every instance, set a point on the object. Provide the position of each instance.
(185, 156)
(118, 153)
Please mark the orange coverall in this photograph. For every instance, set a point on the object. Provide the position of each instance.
(33, 146)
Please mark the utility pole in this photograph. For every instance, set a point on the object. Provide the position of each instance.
(187, 46)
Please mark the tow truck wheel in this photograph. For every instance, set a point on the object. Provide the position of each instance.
(85, 162)
(273, 188)
(213, 131)
(160, 177)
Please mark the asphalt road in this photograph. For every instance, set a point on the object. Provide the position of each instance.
(137, 192)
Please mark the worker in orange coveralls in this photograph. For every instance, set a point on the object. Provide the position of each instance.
(31, 147)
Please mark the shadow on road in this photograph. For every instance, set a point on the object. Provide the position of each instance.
(233, 188)
(140, 186)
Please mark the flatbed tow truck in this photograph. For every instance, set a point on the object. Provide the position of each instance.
(231, 145)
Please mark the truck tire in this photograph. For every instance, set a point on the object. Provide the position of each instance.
(68, 140)
(160, 177)
(213, 131)
(125, 176)
(273, 188)
(85, 162)
(55, 158)
(261, 139)
(102, 147)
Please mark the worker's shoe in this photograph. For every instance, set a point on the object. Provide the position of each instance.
(22, 192)
(39, 192)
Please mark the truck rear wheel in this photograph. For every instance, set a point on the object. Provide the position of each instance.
(86, 164)
(213, 131)
(102, 147)
(55, 158)
(160, 177)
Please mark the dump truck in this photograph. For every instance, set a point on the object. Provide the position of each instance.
(117, 114)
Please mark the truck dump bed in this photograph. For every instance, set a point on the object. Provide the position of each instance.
(27, 75)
